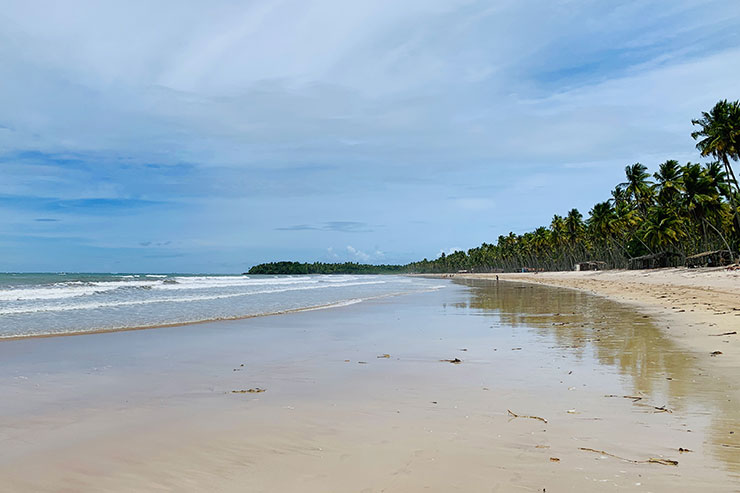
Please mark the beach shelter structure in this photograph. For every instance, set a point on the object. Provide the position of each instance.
(593, 265)
(655, 261)
(710, 259)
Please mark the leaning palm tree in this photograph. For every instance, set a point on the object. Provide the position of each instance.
(719, 136)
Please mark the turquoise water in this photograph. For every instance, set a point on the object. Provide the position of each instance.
(48, 304)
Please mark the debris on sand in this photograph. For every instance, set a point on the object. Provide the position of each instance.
(684, 450)
(456, 361)
(514, 415)
(651, 460)
(715, 353)
(256, 390)
(635, 398)
(638, 398)
(554, 459)
(734, 332)
(384, 356)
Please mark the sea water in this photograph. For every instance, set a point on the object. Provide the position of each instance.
(62, 303)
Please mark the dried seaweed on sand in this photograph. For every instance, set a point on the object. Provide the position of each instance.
(514, 415)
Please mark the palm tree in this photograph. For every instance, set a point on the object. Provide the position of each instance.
(637, 187)
(604, 226)
(700, 197)
(719, 136)
(618, 195)
(662, 228)
(574, 227)
(602, 220)
(668, 181)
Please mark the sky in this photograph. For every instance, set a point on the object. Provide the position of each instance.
(183, 136)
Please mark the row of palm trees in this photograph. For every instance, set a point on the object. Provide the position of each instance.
(681, 209)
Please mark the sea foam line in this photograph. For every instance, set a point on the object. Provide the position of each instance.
(337, 304)
(112, 304)
(73, 289)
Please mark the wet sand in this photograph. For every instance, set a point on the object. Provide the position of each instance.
(154, 410)
(693, 306)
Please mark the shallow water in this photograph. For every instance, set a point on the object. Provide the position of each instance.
(154, 409)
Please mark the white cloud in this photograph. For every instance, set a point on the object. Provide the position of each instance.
(449, 251)
(358, 254)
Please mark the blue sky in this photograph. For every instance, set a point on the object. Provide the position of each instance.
(180, 136)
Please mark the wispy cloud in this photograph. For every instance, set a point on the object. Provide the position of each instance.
(230, 127)
(336, 226)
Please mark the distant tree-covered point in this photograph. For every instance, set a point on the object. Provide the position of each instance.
(276, 268)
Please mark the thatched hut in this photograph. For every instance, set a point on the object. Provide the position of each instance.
(655, 261)
(717, 258)
(592, 265)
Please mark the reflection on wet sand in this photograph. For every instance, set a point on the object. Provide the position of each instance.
(617, 336)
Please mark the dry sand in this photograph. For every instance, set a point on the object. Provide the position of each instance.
(694, 306)
(154, 410)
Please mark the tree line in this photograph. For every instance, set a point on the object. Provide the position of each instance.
(678, 209)
(275, 268)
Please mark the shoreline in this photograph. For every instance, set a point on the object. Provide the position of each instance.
(695, 307)
(110, 330)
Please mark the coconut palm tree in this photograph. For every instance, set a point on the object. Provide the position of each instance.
(637, 187)
(668, 181)
(662, 228)
(719, 136)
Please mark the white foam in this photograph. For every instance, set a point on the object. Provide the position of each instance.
(70, 289)
(112, 304)
(73, 289)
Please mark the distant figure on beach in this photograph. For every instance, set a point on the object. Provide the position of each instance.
(496, 277)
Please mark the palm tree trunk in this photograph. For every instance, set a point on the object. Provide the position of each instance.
(732, 255)
(732, 180)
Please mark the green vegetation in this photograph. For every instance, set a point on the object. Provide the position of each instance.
(274, 268)
(681, 210)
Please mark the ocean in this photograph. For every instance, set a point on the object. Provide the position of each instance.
(64, 303)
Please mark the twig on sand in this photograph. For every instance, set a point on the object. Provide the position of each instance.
(456, 361)
(734, 332)
(255, 390)
(514, 415)
(634, 398)
(637, 398)
(651, 460)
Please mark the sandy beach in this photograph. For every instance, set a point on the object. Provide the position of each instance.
(547, 389)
